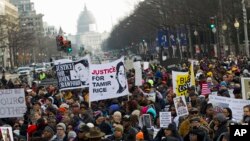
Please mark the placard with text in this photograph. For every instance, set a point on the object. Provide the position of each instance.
(108, 80)
(12, 103)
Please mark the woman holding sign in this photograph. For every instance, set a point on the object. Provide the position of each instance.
(121, 77)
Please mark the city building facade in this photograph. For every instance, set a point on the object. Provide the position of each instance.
(8, 19)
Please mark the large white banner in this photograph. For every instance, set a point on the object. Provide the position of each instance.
(73, 75)
(138, 73)
(12, 103)
(236, 105)
(108, 80)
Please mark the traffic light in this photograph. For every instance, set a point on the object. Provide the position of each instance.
(212, 22)
(59, 40)
(69, 48)
(63, 45)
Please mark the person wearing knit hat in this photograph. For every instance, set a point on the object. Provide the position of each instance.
(90, 125)
(61, 131)
(71, 135)
(144, 110)
(118, 133)
(151, 82)
(140, 136)
(62, 110)
(114, 107)
(136, 112)
(50, 102)
(48, 133)
(152, 112)
(223, 84)
(64, 105)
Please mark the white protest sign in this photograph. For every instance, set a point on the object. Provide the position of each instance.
(145, 65)
(181, 106)
(129, 64)
(73, 75)
(7, 134)
(138, 73)
(236, 105)
(245, 81)
(108, 80)
(12, 103)
(165, 119)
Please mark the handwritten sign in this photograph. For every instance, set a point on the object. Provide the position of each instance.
(12, 103)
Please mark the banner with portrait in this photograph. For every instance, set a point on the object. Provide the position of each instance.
(74, 74)
(181, 82)
(181, 106)
(245, 81)
(108, 80)
(12, 103)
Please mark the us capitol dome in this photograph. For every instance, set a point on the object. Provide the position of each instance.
(86, 21)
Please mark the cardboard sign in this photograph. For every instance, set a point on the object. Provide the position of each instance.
(12, 103)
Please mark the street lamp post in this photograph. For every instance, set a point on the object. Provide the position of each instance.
(224, 28)
(237, 25)
(245, 27)
(197, 49)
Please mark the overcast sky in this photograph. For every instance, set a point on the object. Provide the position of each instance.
(65, 13)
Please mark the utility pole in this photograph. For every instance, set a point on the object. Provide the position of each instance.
(245, 27)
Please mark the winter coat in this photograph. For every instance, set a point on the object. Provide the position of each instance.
(221, 129)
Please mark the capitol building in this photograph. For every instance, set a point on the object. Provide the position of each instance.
(87, 35)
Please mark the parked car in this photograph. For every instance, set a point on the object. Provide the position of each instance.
(39, 69)
(24, 71)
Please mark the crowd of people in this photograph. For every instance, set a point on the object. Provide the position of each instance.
(54, 115)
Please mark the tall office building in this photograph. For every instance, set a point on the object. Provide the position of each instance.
(8, 18)
(28, 17)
